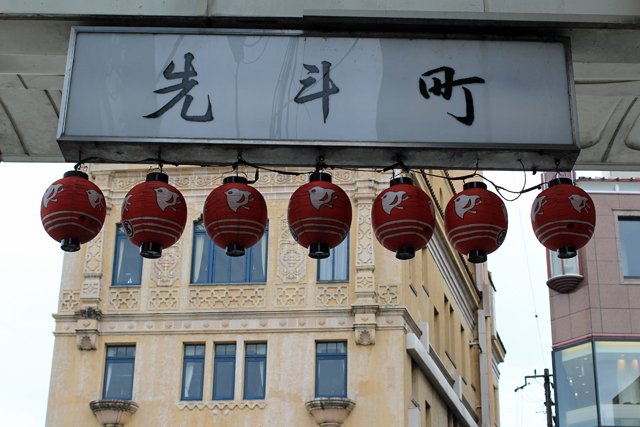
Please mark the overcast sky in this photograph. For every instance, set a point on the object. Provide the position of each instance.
(31, 265)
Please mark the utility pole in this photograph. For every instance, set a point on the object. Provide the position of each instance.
(548, 403)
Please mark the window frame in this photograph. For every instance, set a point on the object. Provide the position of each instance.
(255, 357)
(624, 215)
(248, 259)
(332, 258)
(116, 256)
(118, 359)
(223, 358)
(187, 359)
(332, 356)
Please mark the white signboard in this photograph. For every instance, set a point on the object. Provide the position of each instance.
(194, 97)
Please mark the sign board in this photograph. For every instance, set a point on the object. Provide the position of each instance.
(204, 97)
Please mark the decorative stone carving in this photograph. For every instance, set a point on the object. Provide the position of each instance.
(87, 328)
(166, 269)
(365, 335)
(291, 296)
(219, 297)
(222, 405)
(69, 301)
(112, 412)
(292, 258)
(121, 299)
(388, 294)
(90, 294)
(330, 411)
(164, 299)
(332, 295)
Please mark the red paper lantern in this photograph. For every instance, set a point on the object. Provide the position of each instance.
(563, 217)
(475, 221)
(73, 210)
(403, 217)
(154, 214)
(319, 215)
(235, 215)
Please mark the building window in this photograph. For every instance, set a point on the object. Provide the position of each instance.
(255, 366)
(118, 372)
(563, 267)
(127, 264)
(629, 246)
(224, 369)
(336, 267)
(331, 369)
(211, 264)
(193, 372)
(598, 384)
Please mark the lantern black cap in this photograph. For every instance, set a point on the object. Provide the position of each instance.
(234, 179)
(319, 250)
(158, 176)
(474, 184)
(151, 250)
(320, 176)
(477, 256)
(557, 181)
(400, 180)
(405, 253)
(235, 250)
(70, 244)
(76, 173)
(567, 252)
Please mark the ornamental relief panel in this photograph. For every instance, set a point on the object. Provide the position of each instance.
(164, 299)
(364, 238)
(93, 258)
(225, 298)
(69, 301)
(332, 295)
(122, 299)
(292, 258)
(388, 294)
(291, 296)
(166, 269)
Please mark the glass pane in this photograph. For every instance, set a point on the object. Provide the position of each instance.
(192, 381)
(221, 269)
(261, 349)
(223, 379)
(118, 380)
(630, 246)
(576, 387)
(251, 349)
(254, 378)
(201, 254)
(341, 347)
(122, 352)
(555, 264)
(571, 265)
(238, 269)
(131, 351)
(325, 269)
(189, 350)
(128, 265)
(331, 377)
(231, 349)
(200, 349)
(111, 351)
(322, 347)
(341, 261)
(331, 347)
(618, 382)
(259, 261)
(199, 226)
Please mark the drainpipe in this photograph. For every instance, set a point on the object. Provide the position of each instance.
(483, 339)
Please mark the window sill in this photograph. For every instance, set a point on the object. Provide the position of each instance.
(221, 405)
(229, 284)
(127, 285)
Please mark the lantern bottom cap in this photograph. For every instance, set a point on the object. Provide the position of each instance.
(235, 250)
(405, 253)
(567, 252)
(477, 256)
(319, 250)
(151, 250)
(70, 244)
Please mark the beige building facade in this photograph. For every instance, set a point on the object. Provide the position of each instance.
(386, 342)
